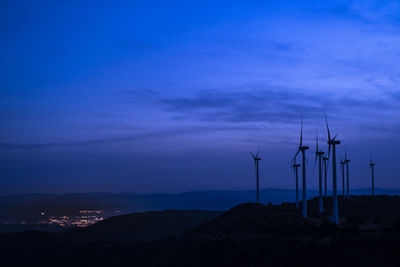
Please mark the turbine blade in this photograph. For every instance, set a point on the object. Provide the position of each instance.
(327, 127)
(295, 155)
(315, 161)
(327, 165)
(254, 157)
(316, 150)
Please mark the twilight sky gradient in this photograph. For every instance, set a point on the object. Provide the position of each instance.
(168, 96)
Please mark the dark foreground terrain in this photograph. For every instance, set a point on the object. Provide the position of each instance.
(247, 235)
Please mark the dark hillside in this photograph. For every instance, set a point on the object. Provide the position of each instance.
(247, 235)
(143, 226)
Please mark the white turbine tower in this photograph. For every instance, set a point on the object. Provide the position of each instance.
(332, 143)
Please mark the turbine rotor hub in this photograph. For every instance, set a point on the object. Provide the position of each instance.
(333, 142)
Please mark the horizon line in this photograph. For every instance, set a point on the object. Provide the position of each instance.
(184, 192)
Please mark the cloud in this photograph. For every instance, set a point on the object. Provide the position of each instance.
(12, 146)
(272, 105)
(139, 138)
(376, 11)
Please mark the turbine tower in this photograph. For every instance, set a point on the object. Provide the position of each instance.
(372, 164)
(342, 163)
(256, 160)
(346, 161)
(303, 149)
(325, 160)
(332, 142)
(319, 155)
(296, 171)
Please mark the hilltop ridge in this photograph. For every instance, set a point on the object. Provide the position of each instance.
(247, 235)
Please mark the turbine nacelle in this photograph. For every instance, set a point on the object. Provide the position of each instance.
(333, 142)
(371, 163)
(256, 157)
(296, 165)
(346, 160)
(320, 153)
(303, 148)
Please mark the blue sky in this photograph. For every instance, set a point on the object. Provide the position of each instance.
(168, 96)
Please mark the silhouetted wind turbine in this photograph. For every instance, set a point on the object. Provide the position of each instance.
(318, 155)
(303, 149)
(325, 160)
(256, 160)
(346, 161)
(296, 171)
(342, 163)
(372, 164)
(332, 143)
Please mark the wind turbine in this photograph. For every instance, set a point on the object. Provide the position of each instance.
(318, 155)
(256, 160)
(296, 171)
(372, 164)
(303, 149)
(332, 142)
(342, 163)
(325, 160)
(346, 161)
